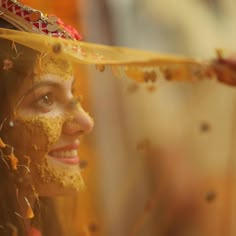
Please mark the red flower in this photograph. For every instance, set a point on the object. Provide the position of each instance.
(34, 232)
(69, 29)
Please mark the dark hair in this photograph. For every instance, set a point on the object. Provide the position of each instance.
(5, 24)
(14, 66)
(17, 63)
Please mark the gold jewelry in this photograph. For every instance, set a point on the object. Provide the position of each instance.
(28, 19)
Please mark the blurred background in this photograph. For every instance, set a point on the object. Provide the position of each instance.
(161, 159)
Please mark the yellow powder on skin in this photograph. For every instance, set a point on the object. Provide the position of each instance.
(52, 128)
(47, 64)
(65, 178)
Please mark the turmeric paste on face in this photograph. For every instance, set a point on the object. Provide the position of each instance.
(50, 171)
(46, 64)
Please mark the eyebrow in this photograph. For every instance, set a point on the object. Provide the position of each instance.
(42, 84)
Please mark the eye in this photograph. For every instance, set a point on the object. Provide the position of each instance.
(45, 102)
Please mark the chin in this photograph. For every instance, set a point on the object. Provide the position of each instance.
(54, 190)
(53, 177)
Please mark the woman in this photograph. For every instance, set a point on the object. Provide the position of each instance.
(41, 123)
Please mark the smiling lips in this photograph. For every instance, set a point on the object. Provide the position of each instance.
(67, 155)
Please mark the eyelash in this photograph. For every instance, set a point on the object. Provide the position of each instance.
(45, 101)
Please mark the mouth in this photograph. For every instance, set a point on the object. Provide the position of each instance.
(67, 154)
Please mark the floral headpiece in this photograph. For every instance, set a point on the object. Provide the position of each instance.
(28, 19)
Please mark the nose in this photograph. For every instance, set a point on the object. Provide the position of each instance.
(79, 123)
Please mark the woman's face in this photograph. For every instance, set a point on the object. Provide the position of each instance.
(45, 125)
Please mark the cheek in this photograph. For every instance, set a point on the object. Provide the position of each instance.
(49, 127)
(33, 136)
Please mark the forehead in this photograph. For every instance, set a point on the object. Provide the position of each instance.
(53, 80)
(49, 70)
(46, 64)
